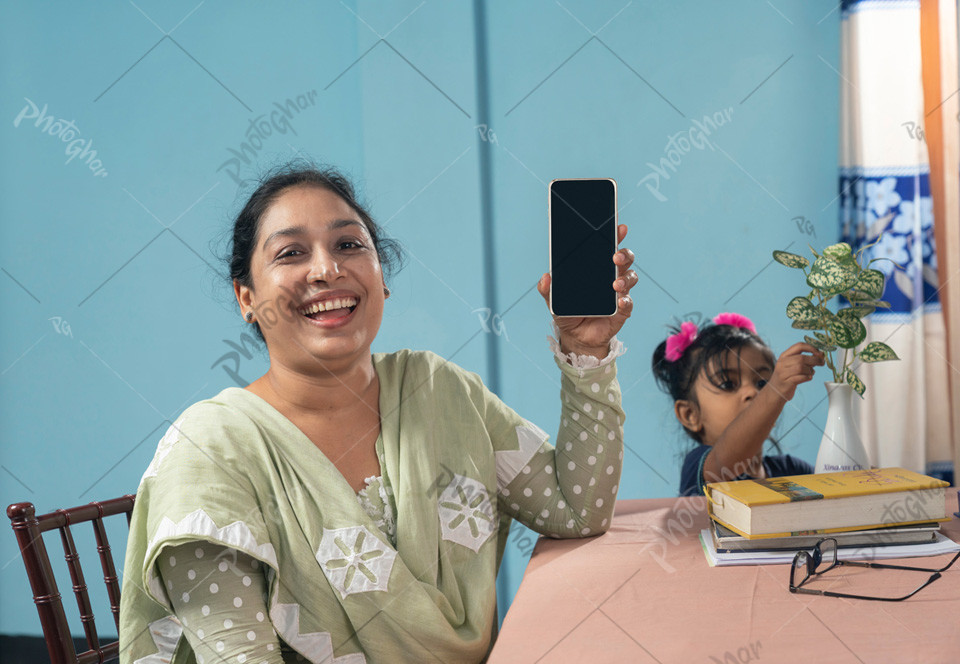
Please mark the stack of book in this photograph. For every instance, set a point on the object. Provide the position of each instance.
(860, 508)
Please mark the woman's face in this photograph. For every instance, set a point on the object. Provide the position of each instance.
(317, 282)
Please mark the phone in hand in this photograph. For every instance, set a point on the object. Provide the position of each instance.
(583, 240)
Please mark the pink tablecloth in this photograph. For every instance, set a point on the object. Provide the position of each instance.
(643, 592)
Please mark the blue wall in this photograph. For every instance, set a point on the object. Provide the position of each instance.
(123, 256)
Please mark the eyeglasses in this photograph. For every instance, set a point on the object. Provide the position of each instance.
(823, 558)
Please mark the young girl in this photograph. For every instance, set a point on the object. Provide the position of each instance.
(728, 391)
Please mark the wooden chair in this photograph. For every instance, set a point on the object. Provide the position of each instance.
(29, 530)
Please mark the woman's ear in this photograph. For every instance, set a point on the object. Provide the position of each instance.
(244, 297)
(688, 414)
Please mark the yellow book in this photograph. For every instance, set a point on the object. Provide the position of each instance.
(827, 502)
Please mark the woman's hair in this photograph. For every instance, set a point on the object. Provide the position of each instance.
(709, 350)
(296, 174)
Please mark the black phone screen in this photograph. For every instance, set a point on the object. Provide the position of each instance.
(583, 239)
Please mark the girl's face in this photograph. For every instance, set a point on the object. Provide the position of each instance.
(316, 270)
(723, 389)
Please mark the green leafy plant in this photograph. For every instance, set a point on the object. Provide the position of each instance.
(838, 272)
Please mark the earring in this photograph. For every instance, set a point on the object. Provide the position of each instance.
(386, 292)
(249, 317)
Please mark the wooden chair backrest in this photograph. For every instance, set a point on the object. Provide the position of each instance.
(29, 529)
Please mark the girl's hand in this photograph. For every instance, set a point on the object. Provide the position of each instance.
(794, 366)
(591, 335)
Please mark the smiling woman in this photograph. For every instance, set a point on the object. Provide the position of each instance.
(247, 228)
(348, 504)
(314, 251)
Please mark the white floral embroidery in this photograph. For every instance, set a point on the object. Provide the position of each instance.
(355, 560)
(317, 647)
(530, 438)
(466, 513)
(376, 499)
(170, 438)
(165, 634)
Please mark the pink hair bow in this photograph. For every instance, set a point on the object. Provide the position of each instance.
(736, 320)
(679, 342)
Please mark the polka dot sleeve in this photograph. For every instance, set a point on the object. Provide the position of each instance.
(219, 595)
(570, 490)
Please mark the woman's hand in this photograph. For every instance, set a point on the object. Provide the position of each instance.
(591, 335)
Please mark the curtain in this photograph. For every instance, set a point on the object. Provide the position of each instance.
(888, 200)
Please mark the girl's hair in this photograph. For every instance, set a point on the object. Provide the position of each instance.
(271, 186)
(710, 349)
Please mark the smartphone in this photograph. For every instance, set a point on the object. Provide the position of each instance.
(583, 239)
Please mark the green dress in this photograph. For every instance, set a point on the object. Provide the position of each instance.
(460, 465)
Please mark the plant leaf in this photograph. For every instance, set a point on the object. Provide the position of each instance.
(819, 343)
(790, 260)
(859, 330)
(850, 316)
(881, 304)
(841, 334)
(842, 254)
(877, 351)
(831, 277)
(858, 296)
(826, 314)
(871, 283)
(838, 252)
(847, 332)
(824, 338)
(847, 313)
(801, 307)
(807, 324)
(854, 381)
(861, 310)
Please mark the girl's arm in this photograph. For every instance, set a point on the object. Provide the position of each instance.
(738, 450)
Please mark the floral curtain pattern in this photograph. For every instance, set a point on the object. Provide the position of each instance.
(894, 214)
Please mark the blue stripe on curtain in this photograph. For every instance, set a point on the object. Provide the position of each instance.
(851, 6)
(891, 209)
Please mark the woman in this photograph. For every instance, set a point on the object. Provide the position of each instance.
(350, 507)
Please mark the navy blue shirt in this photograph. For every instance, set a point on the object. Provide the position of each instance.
(778, 465)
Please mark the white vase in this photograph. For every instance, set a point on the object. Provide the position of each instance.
(841, 447)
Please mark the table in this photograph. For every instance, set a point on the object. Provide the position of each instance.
(643, 592)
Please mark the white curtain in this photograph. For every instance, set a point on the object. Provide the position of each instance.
(885, 193)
